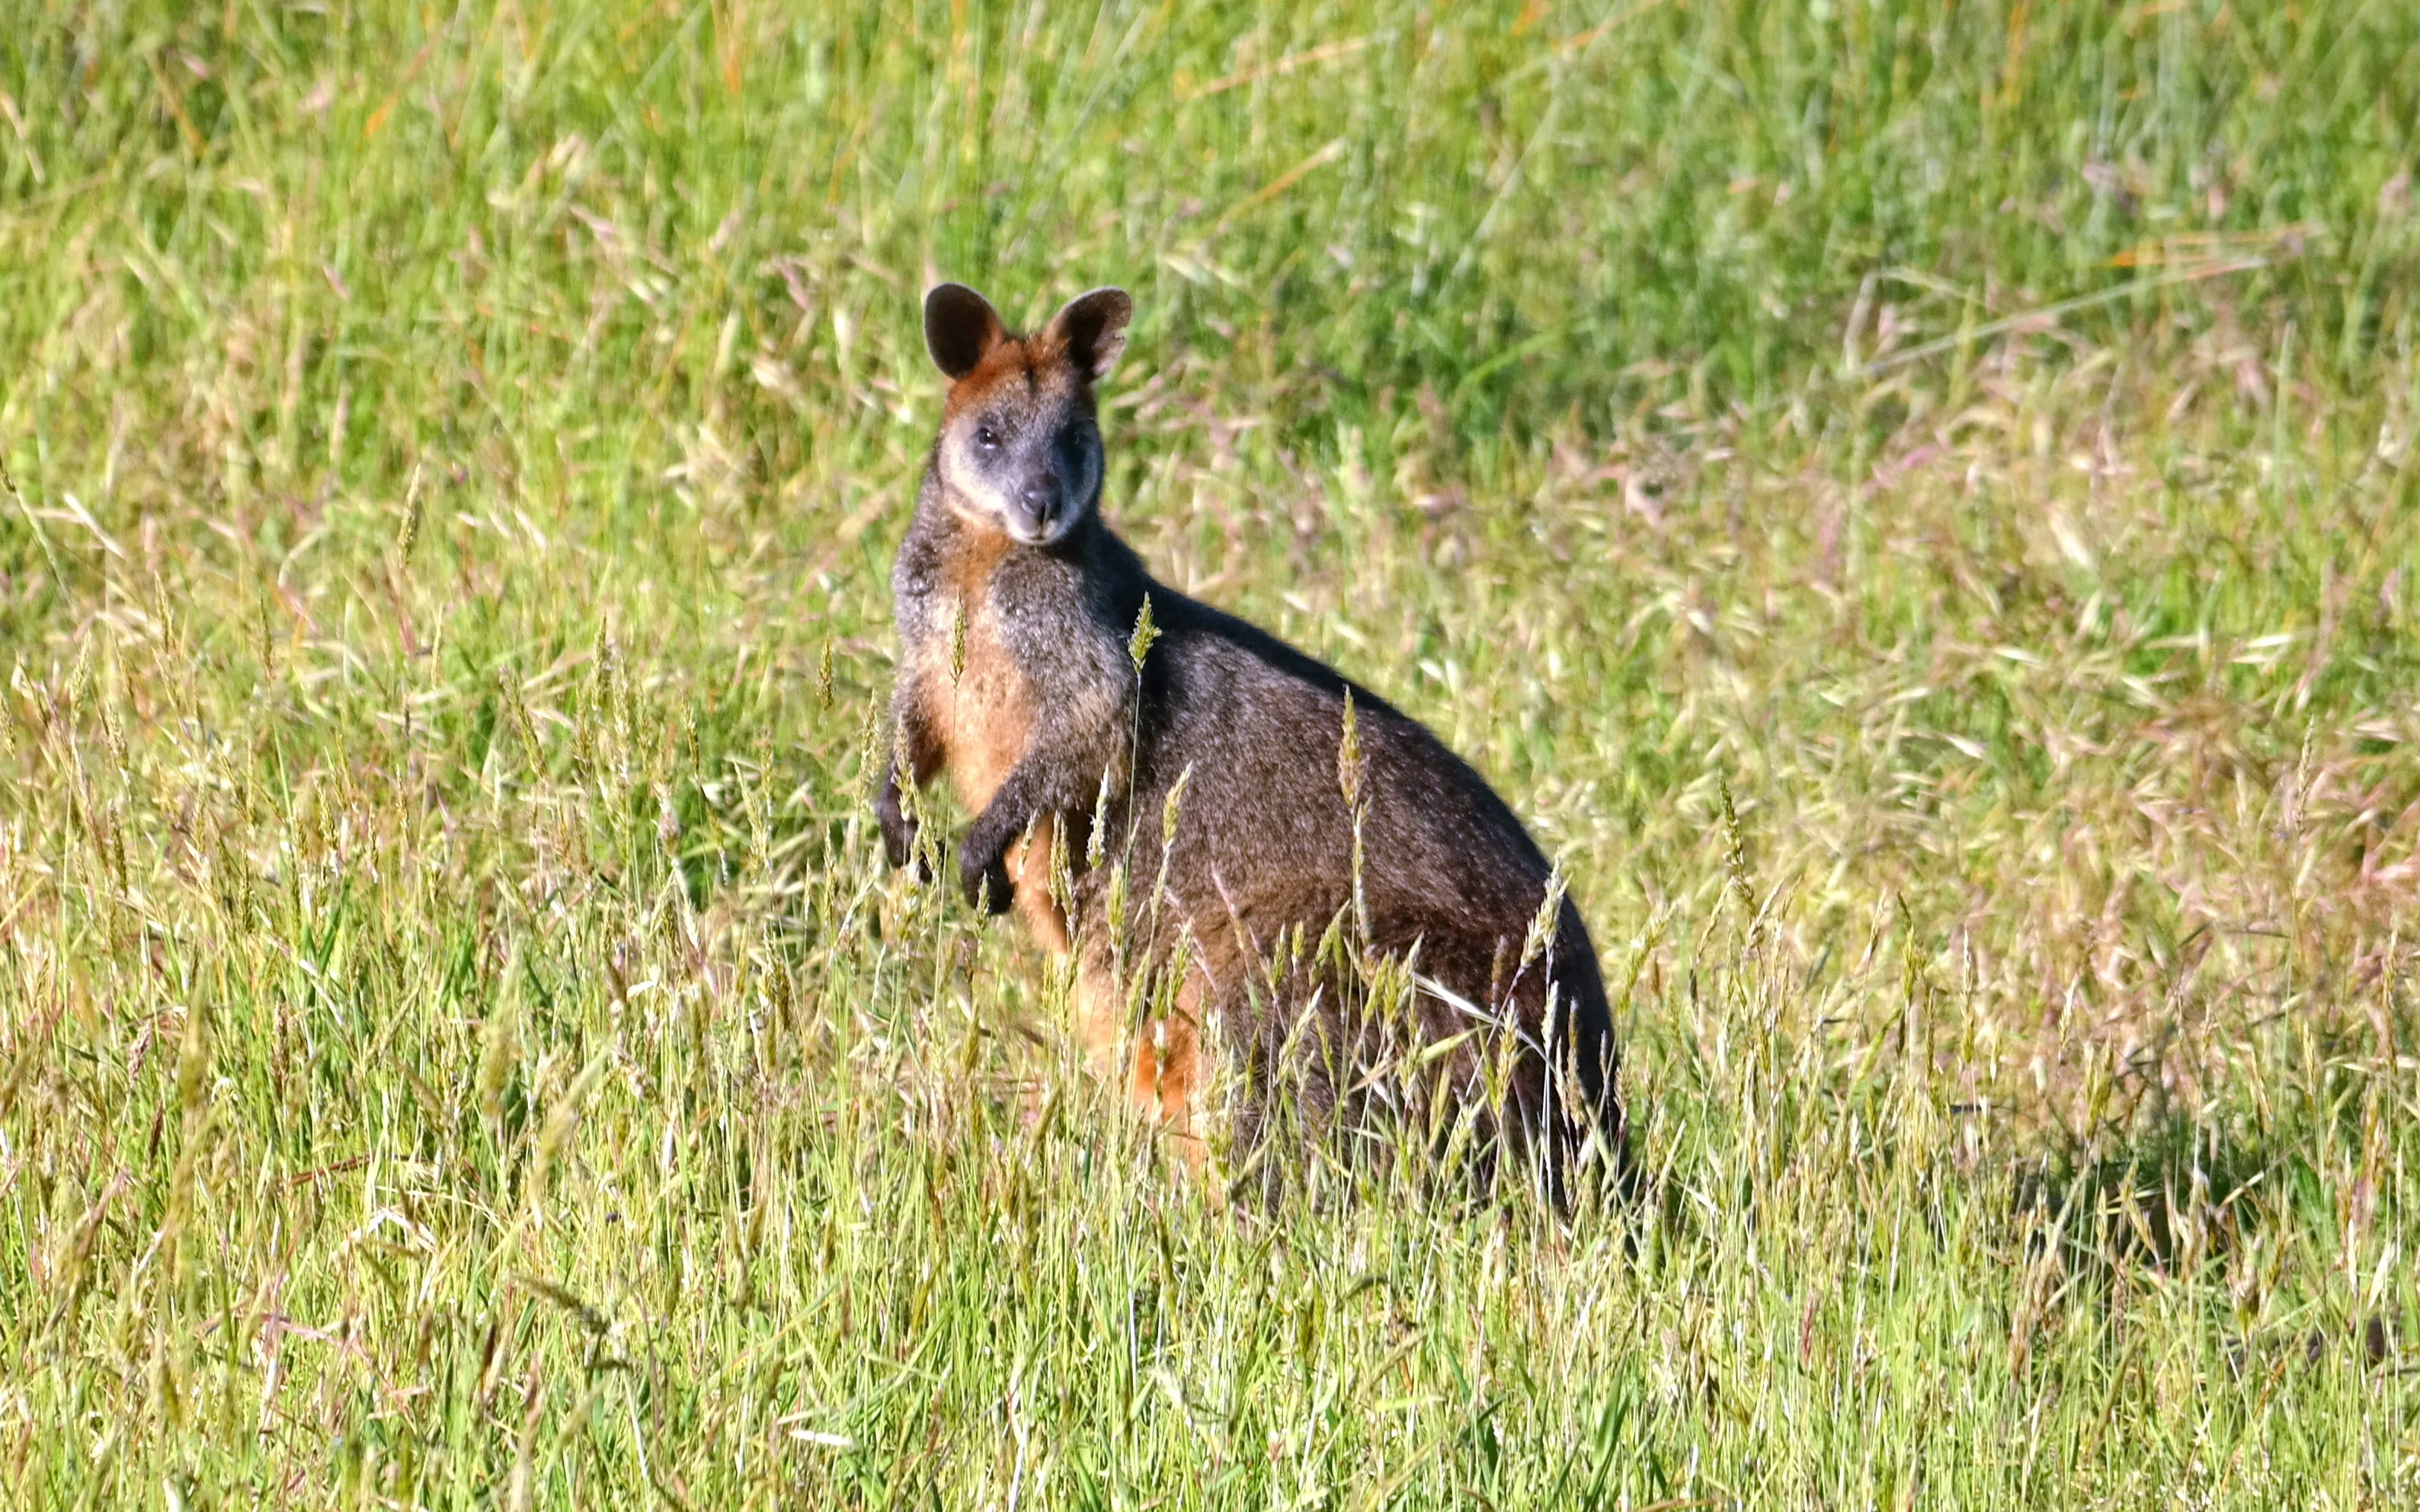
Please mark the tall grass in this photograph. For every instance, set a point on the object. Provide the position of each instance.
(1916, 503)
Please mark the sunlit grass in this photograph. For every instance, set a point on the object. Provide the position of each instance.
(459, 1045)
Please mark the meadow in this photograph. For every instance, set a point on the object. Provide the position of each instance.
(1916, 501)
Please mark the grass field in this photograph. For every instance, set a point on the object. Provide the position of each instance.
(458, 1044)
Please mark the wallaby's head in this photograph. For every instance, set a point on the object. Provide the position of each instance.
(1021, 446)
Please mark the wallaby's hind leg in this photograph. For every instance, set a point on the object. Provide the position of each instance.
(1028, 865)
(1160, 1065)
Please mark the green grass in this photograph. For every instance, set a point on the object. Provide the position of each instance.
(458, 1046)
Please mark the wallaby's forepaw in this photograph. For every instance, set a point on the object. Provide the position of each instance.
(899, 830)
(898, 838)
(982, 870)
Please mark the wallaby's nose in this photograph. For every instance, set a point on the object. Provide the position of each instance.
(1041, 497)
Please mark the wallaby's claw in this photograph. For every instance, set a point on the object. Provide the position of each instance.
(899, 844)
(898, 830)
(986, 878)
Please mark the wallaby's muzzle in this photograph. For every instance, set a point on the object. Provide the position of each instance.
(1039, 509)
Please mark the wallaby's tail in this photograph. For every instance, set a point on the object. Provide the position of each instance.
(1586, 1125)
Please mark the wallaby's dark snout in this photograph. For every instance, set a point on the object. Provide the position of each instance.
(1041, 502)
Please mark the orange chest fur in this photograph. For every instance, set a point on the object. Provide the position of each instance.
(972, 695)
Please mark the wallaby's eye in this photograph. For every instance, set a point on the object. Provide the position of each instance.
(987, 438)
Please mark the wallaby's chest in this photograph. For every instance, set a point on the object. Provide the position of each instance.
(974, 699)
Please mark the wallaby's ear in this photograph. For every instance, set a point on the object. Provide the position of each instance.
(960, 326)
(1092, 329)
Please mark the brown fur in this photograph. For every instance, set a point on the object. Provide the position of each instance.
(1015, 604)
(979, 704)
(1159, 1067)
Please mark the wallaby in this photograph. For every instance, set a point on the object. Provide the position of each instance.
(1215, 824)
